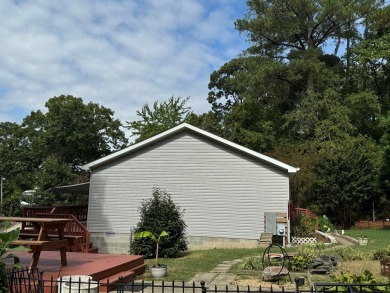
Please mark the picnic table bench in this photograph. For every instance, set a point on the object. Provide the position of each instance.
(43, 241)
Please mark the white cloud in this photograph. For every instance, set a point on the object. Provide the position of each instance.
(120, 54)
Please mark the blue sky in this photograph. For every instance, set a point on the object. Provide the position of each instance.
(120, 54)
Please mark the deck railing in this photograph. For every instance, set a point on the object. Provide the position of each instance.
(77, 227)
(306, 212)
(74, 228)
(80, 212)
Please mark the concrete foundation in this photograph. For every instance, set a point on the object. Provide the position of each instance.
(117, 243)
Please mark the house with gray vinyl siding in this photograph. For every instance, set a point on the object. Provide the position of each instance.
(225, 189)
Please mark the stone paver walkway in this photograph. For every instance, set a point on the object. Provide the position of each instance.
(219, 276)
(343, 240)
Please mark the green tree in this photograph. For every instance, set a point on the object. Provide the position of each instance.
(346, 179)
(384, 177)
(76, 133)
(162, 116)
(286, 95)
(303, 156)
(47, 149)
(207, 121)
(17, 160)
(284, 78)
(369, 66)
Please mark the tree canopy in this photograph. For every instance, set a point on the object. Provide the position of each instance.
(312, 88)
(160, 117)
(47, 149)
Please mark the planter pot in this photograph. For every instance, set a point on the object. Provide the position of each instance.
(77, 284)
(159, 272)
(385, 268)
(363, 241)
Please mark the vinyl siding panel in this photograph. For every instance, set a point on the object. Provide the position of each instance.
(223, 191)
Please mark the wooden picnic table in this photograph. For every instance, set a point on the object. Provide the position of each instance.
(43, 242)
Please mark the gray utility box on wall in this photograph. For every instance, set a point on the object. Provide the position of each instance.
(270, 222)
(277, 224)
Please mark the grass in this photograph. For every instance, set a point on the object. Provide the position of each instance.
(379, 238)
(188, 264)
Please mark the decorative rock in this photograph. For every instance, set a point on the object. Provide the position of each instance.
(324, 264)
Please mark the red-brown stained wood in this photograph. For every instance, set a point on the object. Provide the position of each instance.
(101, 267)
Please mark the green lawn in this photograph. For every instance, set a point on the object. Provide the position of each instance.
(190, 263)
(379, 238)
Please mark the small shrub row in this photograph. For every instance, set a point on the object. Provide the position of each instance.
(253, 263)
(348, 253)
(298, 263)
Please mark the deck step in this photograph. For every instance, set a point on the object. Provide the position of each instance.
(121, 274)
(117, 267)
(118, 278)
(93, 250)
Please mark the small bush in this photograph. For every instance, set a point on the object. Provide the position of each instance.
(347, 253)
(382, 254)
(299, 264)
(324, 224)
(302, 226)
(158, 214)
(305, 256)
(251, 263)
(364, 278)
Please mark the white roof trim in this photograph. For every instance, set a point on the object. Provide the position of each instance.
(164, 134)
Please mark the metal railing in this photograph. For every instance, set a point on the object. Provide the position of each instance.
(24, 281)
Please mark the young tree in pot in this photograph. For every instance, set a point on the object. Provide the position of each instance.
(157, 271)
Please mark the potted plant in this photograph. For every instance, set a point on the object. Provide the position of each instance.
(157, 270)
(362, 240)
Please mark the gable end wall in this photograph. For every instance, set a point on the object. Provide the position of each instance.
(224, 192)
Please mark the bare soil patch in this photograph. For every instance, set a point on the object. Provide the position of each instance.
(359, 266)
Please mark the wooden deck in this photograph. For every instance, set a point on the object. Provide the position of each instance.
(101, 267)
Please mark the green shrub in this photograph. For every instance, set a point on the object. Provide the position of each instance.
(251, 263)
(382, 254)
(158, 214)
(348, 253)
(299, 263)
(324, 224)
(364, 278)
(302, 226)
(6, 238)
(304, 257)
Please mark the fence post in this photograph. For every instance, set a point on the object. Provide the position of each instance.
(204, 289)
(120, 285)
(299, 281)
(41, 287)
